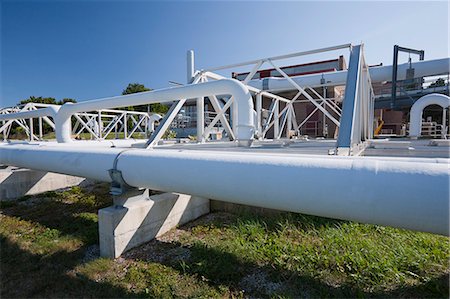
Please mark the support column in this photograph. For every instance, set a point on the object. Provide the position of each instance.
(259, 115)
(276, 124)
(138, 217)
(444, 123)
(201, 119)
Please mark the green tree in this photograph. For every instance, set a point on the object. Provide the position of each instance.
(40, 100)
(136, 88)
(438, 83)
(66, 100)
(48, 100)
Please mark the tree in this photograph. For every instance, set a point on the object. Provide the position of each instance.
(40, 100)
(49, 100)
(438, 83)
(136, 88)
(66, 100)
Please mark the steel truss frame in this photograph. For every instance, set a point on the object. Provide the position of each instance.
(99, 124)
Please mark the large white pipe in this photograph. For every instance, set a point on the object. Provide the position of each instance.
(377, 74)
(415, 118)
(245, 127)
(87, 162)
(395, 192)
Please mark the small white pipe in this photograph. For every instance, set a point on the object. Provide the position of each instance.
(48, 111)
(190, 66)
(200, 105)
(244, 102)
(415, 118)
(152, 119)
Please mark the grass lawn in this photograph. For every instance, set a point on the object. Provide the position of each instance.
(49, 249)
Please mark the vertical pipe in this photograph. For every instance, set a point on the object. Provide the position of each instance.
(258, 114)
(394, 77)
(200, 119)
(276, 123)
(99, 124)
(234, 116)
(31, 129)
(125, 126)
(40, 128)
(324, 117)
(190, 66)
(200, 102)
(444, 122)
(289, 120)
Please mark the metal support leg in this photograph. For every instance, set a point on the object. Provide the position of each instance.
(200, 120)
(276, 118)
(258, 115)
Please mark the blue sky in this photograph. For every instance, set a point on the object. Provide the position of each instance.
(91, 49)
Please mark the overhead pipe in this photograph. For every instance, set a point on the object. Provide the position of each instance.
(415, 118)
(377, 74)
(244, 103)
(407, 193)
(50, 111)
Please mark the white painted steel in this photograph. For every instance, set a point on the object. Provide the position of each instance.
(154, 118)
(394, 193)
(415, 119)
(87, 162)
(280, 57)
(409, 193)
(377, 74)
(245, 126)
(48, 111)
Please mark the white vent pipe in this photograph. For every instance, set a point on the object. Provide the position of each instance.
(415, 120)
(395, 192)
(377, 74)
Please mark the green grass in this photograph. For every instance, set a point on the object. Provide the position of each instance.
(48, 249)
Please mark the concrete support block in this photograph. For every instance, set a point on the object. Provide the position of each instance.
(17, 182)
(140, 218)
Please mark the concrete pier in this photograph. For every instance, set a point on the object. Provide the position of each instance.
(138, 217)
(16, 182)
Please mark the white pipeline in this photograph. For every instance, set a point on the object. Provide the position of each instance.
(395, 192)
(242, 99)
(245, 127)
(377, 74)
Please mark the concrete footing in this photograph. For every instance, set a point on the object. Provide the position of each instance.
(137, 217)
(17, 182)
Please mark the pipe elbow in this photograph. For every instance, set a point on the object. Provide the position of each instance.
(416, 112)
(155, 117)
(243, 99)
(63, 126)
(53, 111)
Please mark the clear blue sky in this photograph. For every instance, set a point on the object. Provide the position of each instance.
(86, 50)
